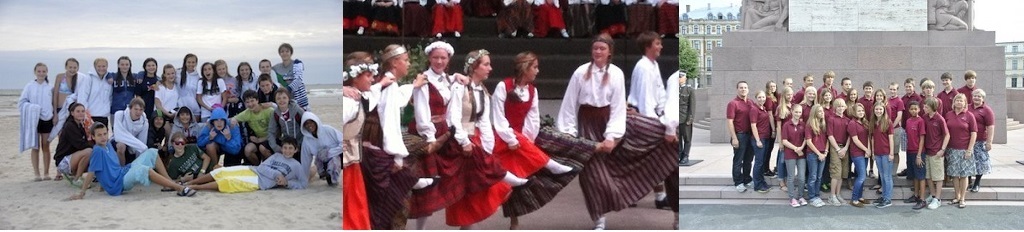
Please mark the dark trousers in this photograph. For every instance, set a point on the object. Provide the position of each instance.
(742, 158)
(769, 146)
(685, 137)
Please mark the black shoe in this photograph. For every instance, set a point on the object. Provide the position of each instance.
(662, 203)
(877, 201)
(974, 188)
(902, 173)
(769, 173)
(912, 199)
(920, 205)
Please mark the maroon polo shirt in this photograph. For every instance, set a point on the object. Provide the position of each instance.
(798, 97)
(960, 127)
(759, 115)
(895, 105)
(984, 117)
(906, 99)
(881, 139)
(739, 111)
(795, 135)
(830, 89)
(969, 92)
(820, 140)
(807, 112)
(855, 128)
(836, 125)
(915, 129)
(947, 101)
(935, 127)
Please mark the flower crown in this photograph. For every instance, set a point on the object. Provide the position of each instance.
(472, 59)
(355, 70)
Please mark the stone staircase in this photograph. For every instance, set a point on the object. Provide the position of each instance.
(718, 187)
(1012, 124)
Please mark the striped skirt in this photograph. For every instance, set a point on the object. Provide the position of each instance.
(479, 205)
(459, 174)
(641, 19)
(580, 20)
(641, 161)
(517, 16)
(561, 147)
(958, 165)
(982, 163)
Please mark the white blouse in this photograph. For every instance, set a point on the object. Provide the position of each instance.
(671, 117)
(646, 91)
(168, 97)
(504, 129)
(592, 92)
(445, 85)
(389, 102)
(484, 124)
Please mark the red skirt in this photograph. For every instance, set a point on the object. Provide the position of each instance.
(447, 19)
(477, 206)
(547, 17)
(460, 174)
(356, 213)
(668, 21)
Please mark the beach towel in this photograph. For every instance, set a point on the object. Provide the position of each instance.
(29, 122)
(62, 116)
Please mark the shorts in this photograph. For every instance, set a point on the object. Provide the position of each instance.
(138, 173)
(838, 167)
(64, 167)
(913, 171)
(936, 171)
(237, 179)
(900, 136)
(44, 127)
(101, 120)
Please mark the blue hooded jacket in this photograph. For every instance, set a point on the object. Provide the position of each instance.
(231, 146)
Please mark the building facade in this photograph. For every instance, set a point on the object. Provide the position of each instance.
(704, 28)
(1014, 63)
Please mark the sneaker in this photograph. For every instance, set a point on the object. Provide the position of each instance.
(529, 35)
(514, 33)
(841, 201)
(741, 188)
(803, 202)
(912, 199)
(565, 34)
(834, 201)
(920, 205)
(929, 199)
(974, 189)
(877, 201)
(933, 204)
(458, 35)
(750, 185)
(857, 204)
(361, 30)
(817, 202)
(794, 203)
(762, 190)
(883, 204)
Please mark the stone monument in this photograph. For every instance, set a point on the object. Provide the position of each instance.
(917, 50)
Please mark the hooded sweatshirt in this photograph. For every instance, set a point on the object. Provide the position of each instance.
(191, 132)
(231, 146)
(132, 133)
(278, 165)
(325, 145)
(279, 127)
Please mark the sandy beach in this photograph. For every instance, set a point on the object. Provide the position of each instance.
(39, 205)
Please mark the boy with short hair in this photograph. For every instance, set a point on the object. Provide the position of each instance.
(946, 95)
(258, 118)
(935, 148)
(279, 170)
(915, 155)
(116, 179)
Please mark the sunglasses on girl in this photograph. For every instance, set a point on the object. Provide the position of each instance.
(179, 142)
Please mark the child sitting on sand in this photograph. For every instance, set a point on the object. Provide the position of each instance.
(280, 170)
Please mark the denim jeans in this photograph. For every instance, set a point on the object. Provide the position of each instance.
(814, 169)
(885, 172)
(795, 179)
(769, 146)
(780, 164)
(741, 158)
(760, 162)
(860, 164)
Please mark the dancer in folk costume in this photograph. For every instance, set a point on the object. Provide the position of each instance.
(548, 16)
(641, 16)
(580, 17)
(597, 90)
(354, 202)
(355, 15)
(517, 16)
(461, 167)
(473, 127)
(648, 96)
(668, 13)
(610, 18)
(416, 19)
(447, 18)
(387, 17)
(388, 181)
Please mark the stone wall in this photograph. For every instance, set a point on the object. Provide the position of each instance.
(880, 57)
(1014, 104)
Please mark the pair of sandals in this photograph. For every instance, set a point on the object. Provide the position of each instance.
(186, 192)
(958, 203)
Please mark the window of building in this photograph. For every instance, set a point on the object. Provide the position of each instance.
(707, 63)
(710, 45)
(1013, 65)
(718, 43)
(707, 29)
(1013, 82)
(1013, 48)
(718, 29)
(696, 45)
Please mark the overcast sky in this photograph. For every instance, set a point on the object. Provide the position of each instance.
(50, 31)
(1000, 16)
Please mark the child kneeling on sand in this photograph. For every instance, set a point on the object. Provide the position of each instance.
(115, 179)
(280, 170)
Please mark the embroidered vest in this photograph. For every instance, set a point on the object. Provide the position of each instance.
(515, 108)
(352, 137)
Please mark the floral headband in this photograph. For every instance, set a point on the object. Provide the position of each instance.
(355, 70)
(472, 59)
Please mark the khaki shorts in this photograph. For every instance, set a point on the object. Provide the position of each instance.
(936, 172)
(838, 167)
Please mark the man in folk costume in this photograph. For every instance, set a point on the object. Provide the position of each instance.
(447, 18)
(355, 210)
(355, 15)
(548, 16)
(459, 168)
(647, 94)
(517, 122)
(597, 90)
(668, 15)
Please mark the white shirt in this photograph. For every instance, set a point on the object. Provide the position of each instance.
(40, 94)
(646, 91)
(350, 110)
(95, 93)
(671, 117)
(213, 98)
(445, 85)
(484, 124)
(503, 128)
(592, 92)
(167, 97)
(187, 92)
(389, 102)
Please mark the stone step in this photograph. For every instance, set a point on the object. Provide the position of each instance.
(703, 124)
(729, 192)
(726, 180)
(1014, 127)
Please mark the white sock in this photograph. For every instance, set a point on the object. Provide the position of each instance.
(556, 168)
(421, 223)
(423, 183)
(399, 161)
(660, 196)
(514, 180)
(600, 223)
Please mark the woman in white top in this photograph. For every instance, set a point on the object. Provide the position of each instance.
(210, 92)
(95, 93)
(36, 111)
(188, 85)
(597, 90)
(167, 96)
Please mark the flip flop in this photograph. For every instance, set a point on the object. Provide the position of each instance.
(187, 192)
(69, 179)
(962, 205)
